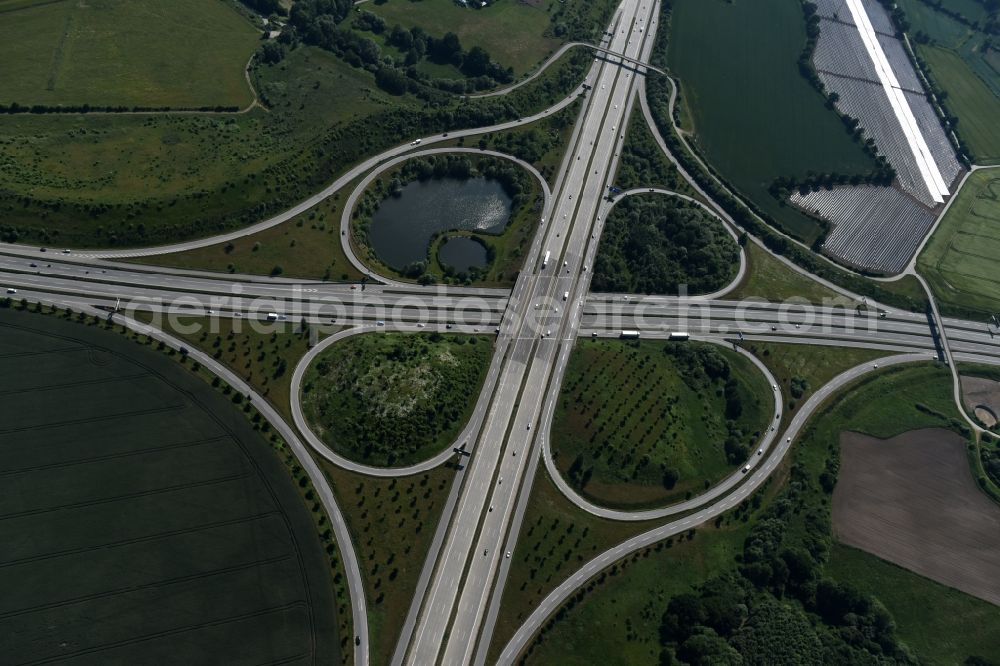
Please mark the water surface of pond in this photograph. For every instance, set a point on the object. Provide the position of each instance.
(402, 228)
(462, 253)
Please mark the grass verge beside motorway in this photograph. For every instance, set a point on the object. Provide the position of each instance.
(392, 523)
(771, 280)
(651, 422)
(263, 354)
(182, 54)
(959, 260)
(556, 538)
(393, 399)
(201, 499)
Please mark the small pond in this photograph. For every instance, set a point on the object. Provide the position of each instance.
(402, 227)
(462, 253)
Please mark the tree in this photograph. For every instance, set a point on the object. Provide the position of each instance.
(476, 62)
(271, 52)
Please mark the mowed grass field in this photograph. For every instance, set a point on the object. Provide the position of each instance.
(182, 53)
(143, 519)
(959, 261)
(754, 116)
(645, 423)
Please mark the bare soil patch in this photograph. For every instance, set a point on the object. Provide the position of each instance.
(912, 500)
(982, 397)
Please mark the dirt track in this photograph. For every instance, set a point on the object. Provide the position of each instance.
(977, 393)
(912, 500)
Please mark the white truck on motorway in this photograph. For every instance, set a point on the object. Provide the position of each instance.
(679, 335)
(629, 335)
(565, 295)
(545, 259)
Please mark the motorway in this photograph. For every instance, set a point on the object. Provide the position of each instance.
(536, 324)
(459, 592)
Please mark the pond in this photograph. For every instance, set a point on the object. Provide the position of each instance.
(462, 253)
(402, 228)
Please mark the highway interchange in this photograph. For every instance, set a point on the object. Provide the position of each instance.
(536, 324)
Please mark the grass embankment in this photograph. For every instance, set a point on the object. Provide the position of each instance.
(659, 244)
(306, 246)
(647, 423)
(801, 369)
(89, 180)
(394, 398)
(556, 538)
(754, 115)
(939, 625)
(114, 433)
(959, 260)
(392, 522)
(125, 53)
(768, 278)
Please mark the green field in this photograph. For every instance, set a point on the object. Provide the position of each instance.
(181, 54)
(516, 34)
(394, 398)
(144, 519)
(942, 625)
(959, 261)
(100, 180)
(660, 244)
(265, 354)
(650, 422)
(962, 64)
(556, 539)
(807, 367)
(755, 117)
(976, 106)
